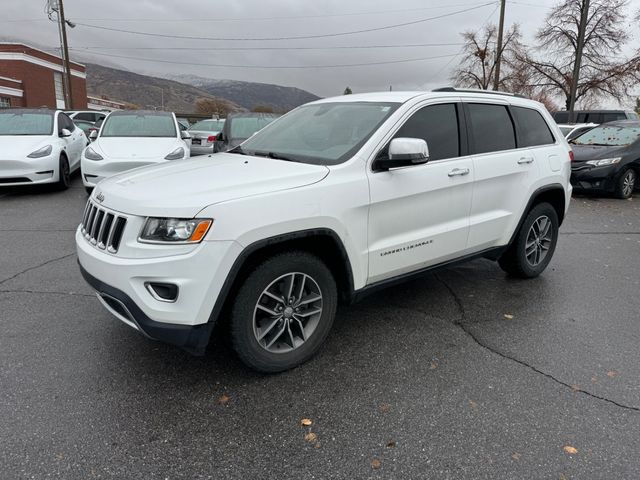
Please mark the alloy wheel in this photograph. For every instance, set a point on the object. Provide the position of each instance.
(628, 183)
(287, 312)
(539, 240)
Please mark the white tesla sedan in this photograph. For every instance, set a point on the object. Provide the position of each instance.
(38, 146)
(130, 139)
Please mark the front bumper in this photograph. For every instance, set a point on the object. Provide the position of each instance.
(588, 178)
(199, 274)
(29, 171)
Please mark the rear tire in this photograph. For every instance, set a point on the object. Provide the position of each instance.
(534, 244)
(64, 174)
(626, 184)
(283, 312)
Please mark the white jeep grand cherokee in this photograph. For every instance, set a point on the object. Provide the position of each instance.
(332, 201)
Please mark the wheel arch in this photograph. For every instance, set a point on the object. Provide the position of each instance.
(322, 242)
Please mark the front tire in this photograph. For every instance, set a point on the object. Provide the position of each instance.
(64, 174)
(534, 245)
(626, 184)
(283, 312)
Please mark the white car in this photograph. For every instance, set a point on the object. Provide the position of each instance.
(336, 199)
(86, 115)
(130, 139)
(38, 146)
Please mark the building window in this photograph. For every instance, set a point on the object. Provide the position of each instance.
(5, 102)
(57, 81)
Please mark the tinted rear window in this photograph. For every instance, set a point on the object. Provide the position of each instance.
(438, 126)
(561, 117)
(492, 128)
(533, 129)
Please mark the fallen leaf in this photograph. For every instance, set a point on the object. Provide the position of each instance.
(570, 450)
(508, 316)
(306, 422)
(311, 437)
(612, 374)
(224, 400)
(433, 366)
(391, 444)
(594, 379)
(384, 408)
(562, 477)
(576, 387)
(473, 404)
(375, 463)
(516, 456)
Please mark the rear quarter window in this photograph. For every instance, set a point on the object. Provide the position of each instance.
(491, 127)
(534, 131)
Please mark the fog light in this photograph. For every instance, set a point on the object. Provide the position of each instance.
(164, 292)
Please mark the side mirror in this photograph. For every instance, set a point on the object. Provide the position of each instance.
(404, 152)
(185, 135)
(93, 135)
(65, 133)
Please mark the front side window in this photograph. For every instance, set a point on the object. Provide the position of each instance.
(533, 129)
(492, 128)
(609, 136)
(322, 133)
(438, 126)
(65, 122)
(138, 125)
(25, 123)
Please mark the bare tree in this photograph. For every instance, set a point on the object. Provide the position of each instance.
(262, 108)
(605, 72)
(211, 106)
(477, 67)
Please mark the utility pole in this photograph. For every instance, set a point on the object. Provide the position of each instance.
(496, 80)
(584, 18)
(58, 7)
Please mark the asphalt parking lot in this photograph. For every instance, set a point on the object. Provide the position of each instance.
(463, 374)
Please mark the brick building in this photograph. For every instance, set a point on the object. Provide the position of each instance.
(32, 78)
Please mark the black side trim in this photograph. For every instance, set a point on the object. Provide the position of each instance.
(193, 339)
(492, 253)
(534, 195)
(254, 247)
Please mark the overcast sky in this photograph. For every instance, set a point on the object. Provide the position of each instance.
(242, 19)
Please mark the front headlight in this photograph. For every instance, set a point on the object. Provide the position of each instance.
(175, 230)
(604, 161)
(177, 154)
(41, 152)
(90, 154)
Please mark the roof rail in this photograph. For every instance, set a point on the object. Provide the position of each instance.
(476, 90)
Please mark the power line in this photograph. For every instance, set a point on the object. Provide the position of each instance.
(341, 47)
(298, 37)
(407, 60)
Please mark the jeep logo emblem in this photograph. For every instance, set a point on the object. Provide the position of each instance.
(100, 197)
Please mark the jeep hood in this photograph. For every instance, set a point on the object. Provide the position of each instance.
(181, 188)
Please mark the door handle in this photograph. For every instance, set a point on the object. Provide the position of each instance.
(525, 160)
(458, 172)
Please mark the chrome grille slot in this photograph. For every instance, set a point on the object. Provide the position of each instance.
(102, 228)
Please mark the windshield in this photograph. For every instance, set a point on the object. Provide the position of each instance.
(26, 123)
(244, 127)
(138, 125)
(324, 133)
(208, 125)
(608, 136)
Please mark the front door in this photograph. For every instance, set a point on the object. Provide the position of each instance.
(419, 215)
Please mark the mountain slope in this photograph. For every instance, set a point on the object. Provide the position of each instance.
(250, 94)
(144, 90)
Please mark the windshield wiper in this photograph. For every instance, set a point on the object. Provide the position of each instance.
(238, 150)
(275, 156)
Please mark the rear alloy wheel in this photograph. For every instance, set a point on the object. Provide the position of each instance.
(283, 312)
(626, 184)
(64, 174)
(534, 244)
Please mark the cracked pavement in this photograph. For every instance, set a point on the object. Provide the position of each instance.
(429, 378)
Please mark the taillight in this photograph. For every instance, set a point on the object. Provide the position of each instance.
(571, 156)
(211, 138)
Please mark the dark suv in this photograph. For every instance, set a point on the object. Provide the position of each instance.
(594, 116)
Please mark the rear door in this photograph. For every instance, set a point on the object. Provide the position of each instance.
(503, 173)
(419, 215)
